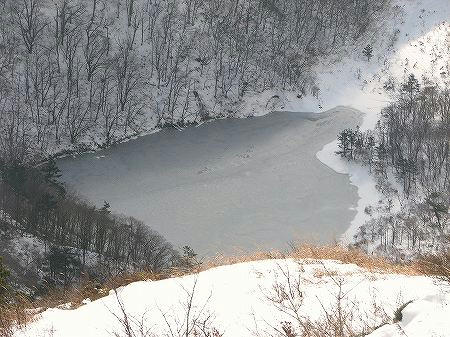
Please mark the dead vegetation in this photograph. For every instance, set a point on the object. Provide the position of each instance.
(17, 313)
(196, 319)
(330, 252)
(437, 266)
(340, 317)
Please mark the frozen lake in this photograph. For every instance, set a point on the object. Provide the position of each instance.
(229, 185)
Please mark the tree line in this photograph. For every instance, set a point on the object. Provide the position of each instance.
(78, 237)
(410, 145)
(94, 71)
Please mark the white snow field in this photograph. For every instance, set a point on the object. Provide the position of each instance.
(236, 300)
(229, 185)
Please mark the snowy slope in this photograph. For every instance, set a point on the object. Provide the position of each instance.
(414, 39)
(427, 316)
(236, 300)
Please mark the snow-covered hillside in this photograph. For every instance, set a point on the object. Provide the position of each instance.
(413, 39)
(89, 73)
(257, 299)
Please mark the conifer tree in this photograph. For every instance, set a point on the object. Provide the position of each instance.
(368, 52)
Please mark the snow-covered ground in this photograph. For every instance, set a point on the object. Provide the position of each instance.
(240, 300)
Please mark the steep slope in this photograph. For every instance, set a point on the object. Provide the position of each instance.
(88, 73)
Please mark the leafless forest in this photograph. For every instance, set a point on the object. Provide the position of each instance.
(408, 154)
(77, 72)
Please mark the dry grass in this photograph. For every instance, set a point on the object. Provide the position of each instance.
(15, 314)
(222, 260)
(436, 265)
(355, 256)
(330, 252)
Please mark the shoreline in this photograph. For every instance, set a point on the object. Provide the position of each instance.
(359, 177)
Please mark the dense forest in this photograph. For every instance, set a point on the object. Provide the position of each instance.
(408, 154)
(77, 72)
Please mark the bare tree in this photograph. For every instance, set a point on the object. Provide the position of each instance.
(30, 21)
(196, 320)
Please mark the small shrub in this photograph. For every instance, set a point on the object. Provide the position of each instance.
(368, 52)
(4, 274)
(437, 265)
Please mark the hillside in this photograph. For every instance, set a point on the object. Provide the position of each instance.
(84, 74)
(415, 40)
(263, 298)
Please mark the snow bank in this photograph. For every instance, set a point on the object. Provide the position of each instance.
(359, 177)
(234, 298)
(428, 316)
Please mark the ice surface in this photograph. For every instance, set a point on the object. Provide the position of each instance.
(228, 185)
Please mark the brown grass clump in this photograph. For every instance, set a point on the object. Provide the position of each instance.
(13, 315)
(329, 252)
(355, 256)
(223, 260)
(436, 265)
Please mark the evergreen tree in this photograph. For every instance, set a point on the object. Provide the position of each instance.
(105, 209)
(368, 52)
(346, 143)
(16, 176)
(189, 257)
(46, 206)
(64, 265)
(51, 174)
(411, 86)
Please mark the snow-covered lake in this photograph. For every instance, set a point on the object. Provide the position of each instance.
(228, 185)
